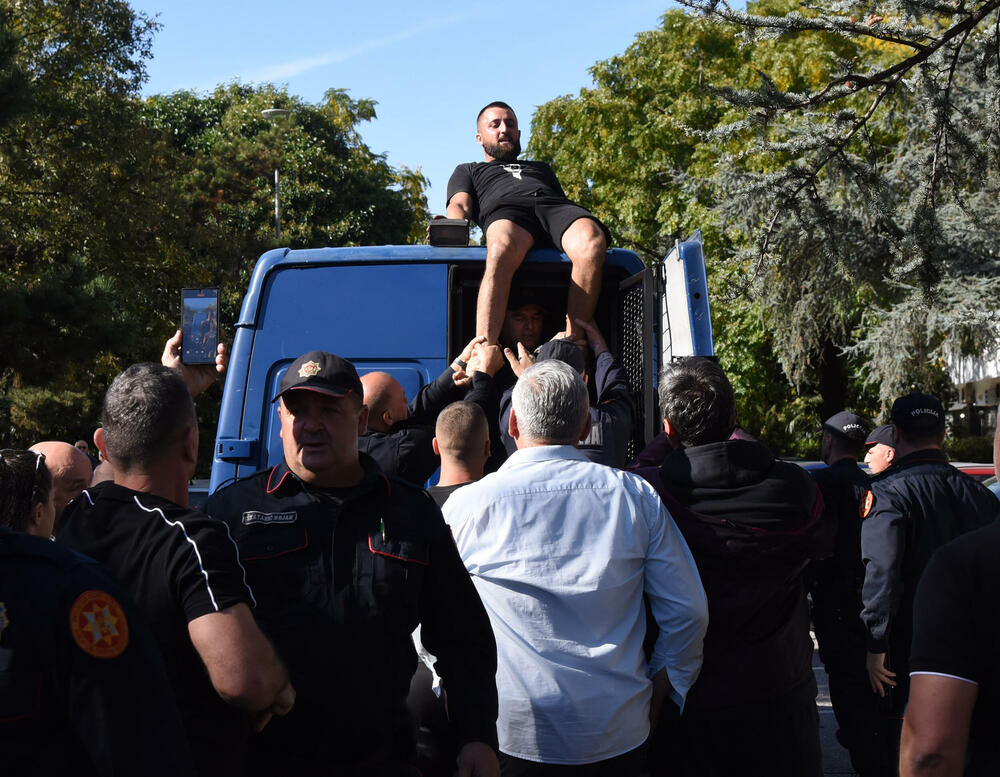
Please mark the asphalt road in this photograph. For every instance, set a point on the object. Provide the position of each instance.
(835, 758)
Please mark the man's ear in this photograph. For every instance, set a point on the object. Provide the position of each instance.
(512, 428)
(434, 445)
(586, 427)
(671, 433)
(890, 455)
(363, 420)
(191, 444)
(99, 442)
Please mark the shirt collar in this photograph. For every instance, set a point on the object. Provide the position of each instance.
(281, 477)
(544, 453)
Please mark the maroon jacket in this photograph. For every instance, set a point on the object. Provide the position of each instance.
(753, 523)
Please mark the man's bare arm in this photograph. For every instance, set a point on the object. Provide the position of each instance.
(241, 663)
(459, 206)
(936, 726)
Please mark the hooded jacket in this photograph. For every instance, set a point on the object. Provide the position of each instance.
(753, 523)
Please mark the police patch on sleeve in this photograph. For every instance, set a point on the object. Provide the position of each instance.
(98, 625)
(867, 503)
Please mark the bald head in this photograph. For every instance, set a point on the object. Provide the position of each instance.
(70, 470)
(385, 399)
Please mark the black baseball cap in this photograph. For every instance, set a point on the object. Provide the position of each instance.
(882, 435)
(323, 372)
(564, 350)
(848, 425)
(920, 413)
(524, 295)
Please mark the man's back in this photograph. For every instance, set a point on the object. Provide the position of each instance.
(82, 686)
(560, 550)
(178, 565)
(919, 504)
(753, 523)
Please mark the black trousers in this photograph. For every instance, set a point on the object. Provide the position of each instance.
(780, 739)
(628, 764)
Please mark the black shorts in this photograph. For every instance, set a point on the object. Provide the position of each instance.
(546, 218)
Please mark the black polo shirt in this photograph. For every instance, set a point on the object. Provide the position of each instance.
(178, 565)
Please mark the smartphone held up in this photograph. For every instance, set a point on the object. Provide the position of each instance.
(199, 325)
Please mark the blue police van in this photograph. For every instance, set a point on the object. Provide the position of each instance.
(409, 310)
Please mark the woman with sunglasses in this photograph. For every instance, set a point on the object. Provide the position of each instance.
(26, 503)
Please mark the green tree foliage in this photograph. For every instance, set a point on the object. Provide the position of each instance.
(868, 196)
(110, 204)
(848, 201)
(334, 190)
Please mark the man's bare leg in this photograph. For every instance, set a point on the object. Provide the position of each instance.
(586, 247)
(506, 246)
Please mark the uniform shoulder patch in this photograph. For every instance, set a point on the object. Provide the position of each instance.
(867, 503)
(4, 620)
(98, 625)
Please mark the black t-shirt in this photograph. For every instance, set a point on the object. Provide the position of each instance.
(493, 184)
(178, 565)
(956, 631)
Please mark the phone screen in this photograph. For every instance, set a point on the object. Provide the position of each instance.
(199, 325)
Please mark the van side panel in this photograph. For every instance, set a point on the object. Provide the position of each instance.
(380, 316)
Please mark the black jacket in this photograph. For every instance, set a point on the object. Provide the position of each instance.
(405, 450)
(920, 503)
(835, 582)
(612, 418)
(753, 523)
(342, 578)
(75, 699)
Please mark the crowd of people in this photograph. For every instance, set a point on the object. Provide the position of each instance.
(549, 607)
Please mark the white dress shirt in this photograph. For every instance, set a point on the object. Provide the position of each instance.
(561, 550)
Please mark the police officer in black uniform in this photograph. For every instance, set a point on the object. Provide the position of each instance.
(345, 562)
(83, 690)
(835, 586)
(914, 507)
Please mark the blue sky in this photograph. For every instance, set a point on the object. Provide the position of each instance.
(429, 66)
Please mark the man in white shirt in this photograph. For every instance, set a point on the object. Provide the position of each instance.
(561, 551)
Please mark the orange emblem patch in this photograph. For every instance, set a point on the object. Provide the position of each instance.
(866, 504)
(98, 625)
(308, 369)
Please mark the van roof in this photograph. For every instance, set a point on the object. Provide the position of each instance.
(281, 258)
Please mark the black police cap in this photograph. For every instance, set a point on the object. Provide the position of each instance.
(849, 425)
(882, 435)
(920, 413)
(564, 350)
(322, 372)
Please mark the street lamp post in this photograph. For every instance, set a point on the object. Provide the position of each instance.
(275, 115)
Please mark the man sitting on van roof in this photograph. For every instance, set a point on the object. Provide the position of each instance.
(519, 204)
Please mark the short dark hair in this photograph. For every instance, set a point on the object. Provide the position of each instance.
(494, 104)
(146, 408)
(25, 481)
(921, 438)
(844, 446)
(462, 430)
(697, 398)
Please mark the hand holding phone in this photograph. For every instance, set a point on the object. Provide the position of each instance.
(199, 325)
